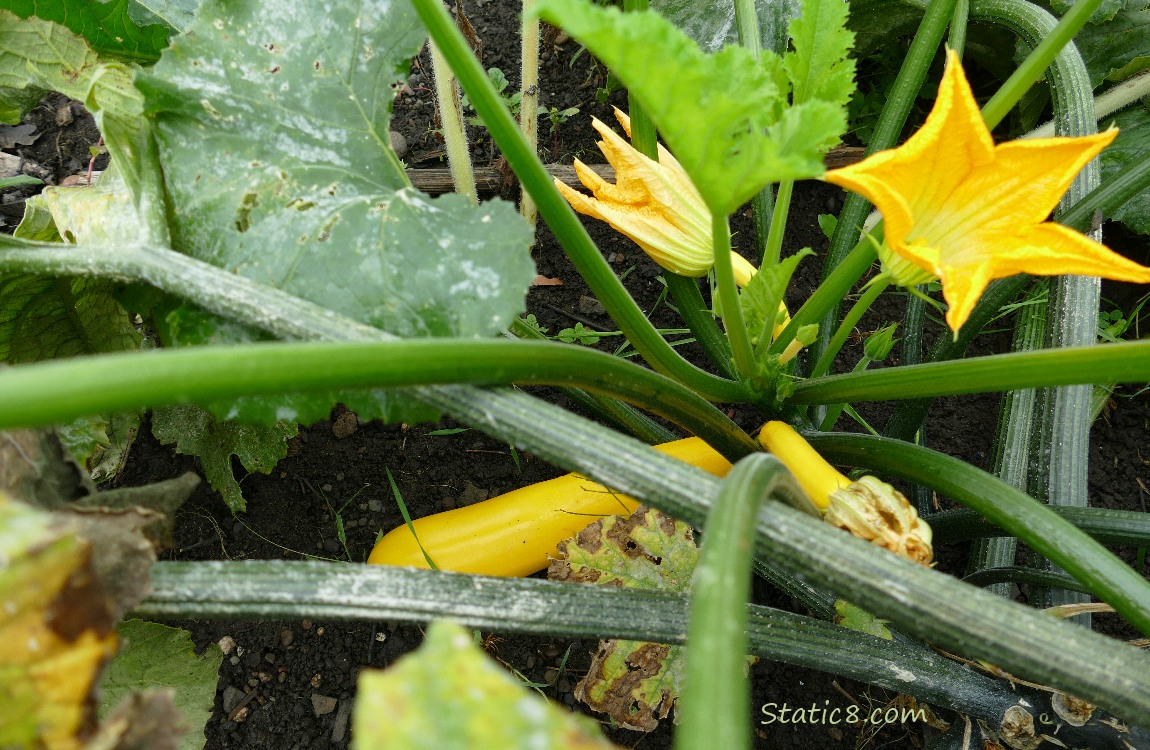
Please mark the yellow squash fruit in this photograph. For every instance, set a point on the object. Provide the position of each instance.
(515, 534)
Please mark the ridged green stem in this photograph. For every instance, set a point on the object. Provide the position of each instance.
(1106, 525)
(847, 326)
(451, 120)
(1059, 456)
(1044, 531)
(529, 101)
(280, 589)
(715, 707)
(774, 246)
(1012, 444)
(732, 311)
(561, 218)
(623, 416)
(1118, 97)
(956, 39)
(61, 390)
(698, 317)
(1003, 577)
(1126, 362)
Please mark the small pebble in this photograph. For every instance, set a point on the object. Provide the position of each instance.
(322, 704)
(231, 698)
(375, 506)
(345, 425)
(339, 729)
(287, 636)
(305, 624)
(316, 680)
(227, 644)
(590, 306)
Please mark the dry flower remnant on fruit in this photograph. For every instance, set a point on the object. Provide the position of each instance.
(943, 193)
(869, 508)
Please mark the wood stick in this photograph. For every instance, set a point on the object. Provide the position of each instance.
(492, 180)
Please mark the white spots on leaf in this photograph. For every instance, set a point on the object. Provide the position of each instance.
(479, 282)
(901, 674)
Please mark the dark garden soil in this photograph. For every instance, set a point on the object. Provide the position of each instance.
(303, 673)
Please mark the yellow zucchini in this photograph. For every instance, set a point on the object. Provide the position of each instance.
(517, 533)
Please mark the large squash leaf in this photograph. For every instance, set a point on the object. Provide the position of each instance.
(273, 131)
(725, 116)
(108, 25)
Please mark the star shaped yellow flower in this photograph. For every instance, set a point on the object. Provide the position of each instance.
(971, 212)
(652, 202)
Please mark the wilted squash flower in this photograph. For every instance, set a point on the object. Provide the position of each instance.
(652, 202)
(970, 212)
(869, 508)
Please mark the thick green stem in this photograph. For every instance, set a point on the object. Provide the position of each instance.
(697, 315)
(1061, 444)
(1033, 523)
(957, 38)
(715, 706)
(774, 246)
(1125, 362)
(1016, 424)
(847, 326)
(451, 119)
(561, 218)
(729, 297)
(529, 100)
(1122, 95)
(62, 390)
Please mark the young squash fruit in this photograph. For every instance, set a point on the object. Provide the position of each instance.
(515, 534)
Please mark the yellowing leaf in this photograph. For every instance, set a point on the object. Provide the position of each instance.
(448, 695)
(55, 632)
(635, 683)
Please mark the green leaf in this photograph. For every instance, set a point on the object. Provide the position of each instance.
(635, 683)
(724, 116)
(449, 695)
(106, 24)
(46, 318)
(875, 22)
(175, 14)
(40, 55)
(1118, 48)
(712, 25)
(856, 618)
(157, 656)
(301, 189)
(819, 67)
(1131, 145)
(761, 297)
(196, 432)
(18, 181)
